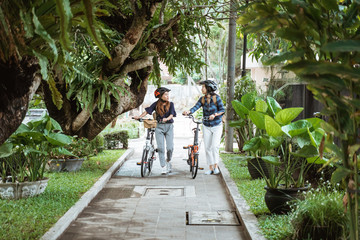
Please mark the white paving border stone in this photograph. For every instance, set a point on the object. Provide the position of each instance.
(246, 217)
(64, 222)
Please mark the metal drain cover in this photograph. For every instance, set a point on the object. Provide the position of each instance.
(164, 191)
(171, 192)
(221, 217)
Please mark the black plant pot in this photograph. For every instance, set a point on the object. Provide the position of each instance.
(256, 164)
(276, 198)
(320, 232)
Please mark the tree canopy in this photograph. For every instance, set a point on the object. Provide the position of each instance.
(91, 60)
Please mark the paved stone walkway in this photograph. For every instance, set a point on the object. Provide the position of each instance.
(157, 207)
(123, 205)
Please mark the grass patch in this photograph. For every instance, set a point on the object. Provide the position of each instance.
(272, 226)
(240, 174)
(30, 218)
(131, 126)
(275, 227)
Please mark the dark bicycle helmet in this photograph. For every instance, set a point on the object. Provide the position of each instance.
(209, 84)
(160, 91)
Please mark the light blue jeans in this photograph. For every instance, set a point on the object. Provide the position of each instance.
(164, 132)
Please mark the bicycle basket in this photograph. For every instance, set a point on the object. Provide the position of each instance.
(150, 123)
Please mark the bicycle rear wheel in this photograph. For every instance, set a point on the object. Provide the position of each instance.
(145, 164)
(195, 166)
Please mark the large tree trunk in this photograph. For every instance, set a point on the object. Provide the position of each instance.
(80, 122)
(99, 120)
(18, 84)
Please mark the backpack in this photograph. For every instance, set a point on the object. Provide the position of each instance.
(215, 101)
(213, 97)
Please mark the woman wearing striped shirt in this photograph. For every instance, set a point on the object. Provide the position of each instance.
(213, 109)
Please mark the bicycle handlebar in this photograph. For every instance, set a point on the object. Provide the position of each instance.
(142, 119)
(198, 122)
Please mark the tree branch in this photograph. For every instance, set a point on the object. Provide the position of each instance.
(161, 14)
(81, 119)
(123, 50)
(134, 66)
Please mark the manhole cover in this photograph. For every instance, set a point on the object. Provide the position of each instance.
(221, 217)
(163, 191)
(171, 192)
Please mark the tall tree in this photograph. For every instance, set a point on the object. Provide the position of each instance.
(92, 60)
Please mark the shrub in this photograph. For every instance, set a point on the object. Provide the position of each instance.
(81, 148)
(321, 215)
(112, 139)
(97, 144)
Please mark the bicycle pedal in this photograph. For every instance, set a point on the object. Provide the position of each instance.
(138, 163)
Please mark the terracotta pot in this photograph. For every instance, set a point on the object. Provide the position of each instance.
(276, 198)
(68, 165)
(22, 189)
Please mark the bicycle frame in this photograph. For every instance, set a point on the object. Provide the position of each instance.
(149, 145)
(148, 155)
(193, 150)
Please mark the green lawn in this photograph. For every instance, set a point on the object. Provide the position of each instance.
(273, 226)
(30, 218)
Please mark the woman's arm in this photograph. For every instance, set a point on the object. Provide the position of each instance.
(212, 116)
(141, 116)
(194, 108)
(220, 108)
(168, 118)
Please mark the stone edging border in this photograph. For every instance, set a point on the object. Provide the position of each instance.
(64, 222)
(246, 217)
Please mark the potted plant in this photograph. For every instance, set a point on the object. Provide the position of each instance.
(77, 152)
(72, 160)
(24, 155)
(325, 56)
(250, 134)
(293, 147)
(243, 128)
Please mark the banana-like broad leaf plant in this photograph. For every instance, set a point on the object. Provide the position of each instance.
(280, 136)
(24, 155)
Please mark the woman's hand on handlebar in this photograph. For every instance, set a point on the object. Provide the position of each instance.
(186, 113)
(211, 117)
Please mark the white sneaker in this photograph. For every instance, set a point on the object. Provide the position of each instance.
(209, 172)
(168, 165)
(216, 171)
(163, 170)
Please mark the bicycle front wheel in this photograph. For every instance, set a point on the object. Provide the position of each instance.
(150, 161)
(194, 166)
(145, 164)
